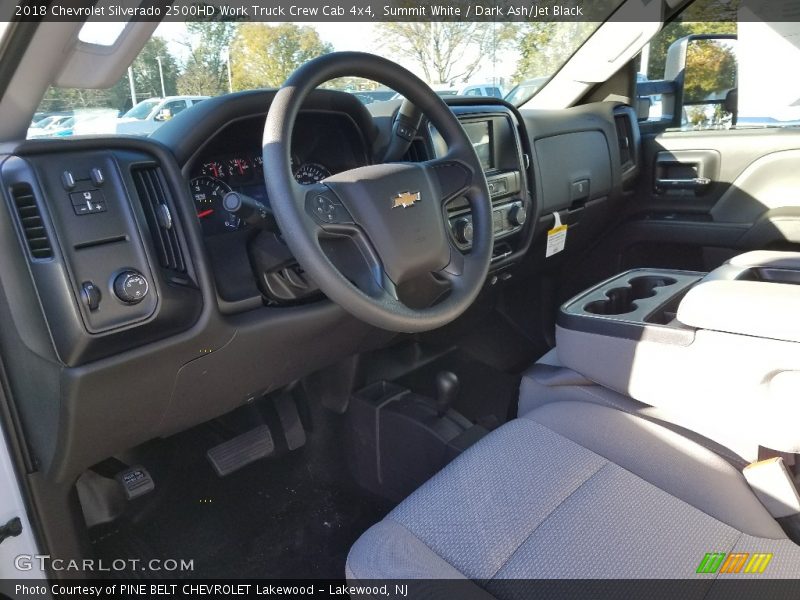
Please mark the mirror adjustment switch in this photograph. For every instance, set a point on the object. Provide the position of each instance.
(130, 287)
(91, 295)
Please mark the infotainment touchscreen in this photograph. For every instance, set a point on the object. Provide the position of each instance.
(480, 134)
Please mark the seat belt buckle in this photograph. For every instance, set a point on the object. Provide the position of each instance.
(774, 485)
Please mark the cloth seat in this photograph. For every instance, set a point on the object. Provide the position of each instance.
(574, 489)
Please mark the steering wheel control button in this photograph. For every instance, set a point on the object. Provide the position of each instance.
(88, 202)
(91, 295)
(130, 287)
(405, 131)
(327, 209)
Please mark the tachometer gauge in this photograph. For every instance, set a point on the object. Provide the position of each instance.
(213, 169)
(208, 193)
(311, 173)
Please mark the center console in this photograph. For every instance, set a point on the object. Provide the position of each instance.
(719, 353)
(497, 144)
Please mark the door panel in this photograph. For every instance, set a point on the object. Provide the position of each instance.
(725, 192)
(737, 150)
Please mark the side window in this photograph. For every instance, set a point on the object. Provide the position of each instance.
(175, 106)
(494, 91)
(473, 92)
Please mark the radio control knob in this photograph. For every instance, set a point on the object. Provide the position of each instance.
(463, 230)
(517, 215)
(131, 287)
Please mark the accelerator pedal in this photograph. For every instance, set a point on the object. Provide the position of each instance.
(234, 454)
(293, 430)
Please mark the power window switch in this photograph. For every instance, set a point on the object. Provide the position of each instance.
(91, 295)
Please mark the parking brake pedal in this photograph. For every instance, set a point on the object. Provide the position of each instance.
(135, 482)
(234, 454)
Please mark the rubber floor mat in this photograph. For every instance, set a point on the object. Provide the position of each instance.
(292, 516)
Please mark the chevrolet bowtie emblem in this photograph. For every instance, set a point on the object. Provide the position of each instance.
(405, 199)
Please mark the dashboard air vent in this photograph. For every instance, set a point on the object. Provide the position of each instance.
(30, 218)
(625, 138)
(153, 193)
(417, 151)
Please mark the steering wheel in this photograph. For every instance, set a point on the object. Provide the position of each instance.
(393, 213)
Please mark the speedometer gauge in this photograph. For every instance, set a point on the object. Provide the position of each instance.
(208, 193)
(311, 173)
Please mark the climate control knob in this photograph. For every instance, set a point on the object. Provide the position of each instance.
(131, 287)
(463, 231)
(517, 215)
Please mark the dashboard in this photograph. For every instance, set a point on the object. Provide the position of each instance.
(324, 143)
(141, 313)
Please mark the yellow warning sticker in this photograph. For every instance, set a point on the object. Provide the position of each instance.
(556, 237)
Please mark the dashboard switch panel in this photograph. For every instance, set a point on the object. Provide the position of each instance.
(88, 202)
(97, 176)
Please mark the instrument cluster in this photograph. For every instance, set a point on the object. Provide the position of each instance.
(323, 143)
(244, 173)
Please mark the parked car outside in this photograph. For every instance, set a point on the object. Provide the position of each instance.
(148, 115)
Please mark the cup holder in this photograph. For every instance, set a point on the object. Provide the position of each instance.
(621, 300)
(645, 286)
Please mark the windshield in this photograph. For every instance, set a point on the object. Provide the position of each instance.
(184, 61)
(141, 110)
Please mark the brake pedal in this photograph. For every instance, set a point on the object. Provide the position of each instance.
(135, 481)
(234, 454)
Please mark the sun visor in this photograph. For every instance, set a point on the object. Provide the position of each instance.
(101, 63)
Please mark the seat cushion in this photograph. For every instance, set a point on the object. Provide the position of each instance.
(548, 381)
(573, 490)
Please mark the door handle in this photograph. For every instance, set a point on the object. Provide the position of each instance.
(693, 183)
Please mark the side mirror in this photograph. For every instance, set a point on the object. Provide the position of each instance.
(710, 70)
(704, 71)
(164, 114)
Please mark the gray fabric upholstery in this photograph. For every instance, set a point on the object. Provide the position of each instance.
(507, 485)
(573, 490)
(391, 551)
(548, 381)
(665, 459)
